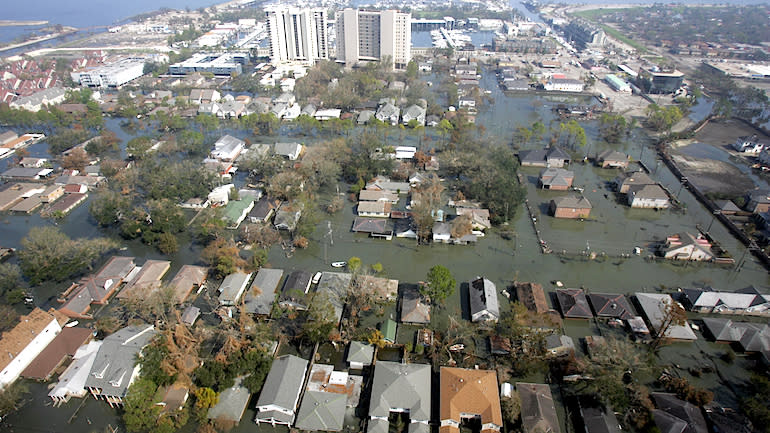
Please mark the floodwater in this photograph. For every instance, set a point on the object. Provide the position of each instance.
(613, 229)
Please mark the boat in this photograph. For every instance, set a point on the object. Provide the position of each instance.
(339, 264)
(72, 324)
(456, 347)
(317, 277)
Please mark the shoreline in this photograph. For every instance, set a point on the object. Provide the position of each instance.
(23, 23)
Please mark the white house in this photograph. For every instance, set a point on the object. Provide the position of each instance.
(289, 150)
(466, 103)
(414, 112)
(22, 344)
(749, 145)
(687, 247)
(227, 148)
(36, 101)
(233, 287)
(327, 114)
(405, 152)
(388, 113)
(564, 85)
(377, 209)
(648, 197)
(278, 400)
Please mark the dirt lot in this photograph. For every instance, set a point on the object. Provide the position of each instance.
(711, 176)
(723, 133)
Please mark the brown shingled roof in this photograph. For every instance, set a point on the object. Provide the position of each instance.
(66, 343)
(15, 340)
(465, 391)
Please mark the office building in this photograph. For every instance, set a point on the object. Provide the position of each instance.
(110, 75)
(373, 35)
(215, 63)
(297, 34)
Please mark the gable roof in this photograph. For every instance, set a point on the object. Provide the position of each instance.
(538, 413)
(13, 342)
(683, 410)
(398, 385)
(612, 155)
(186, 279)
(232, 403)
(611, 305)
(572, 201)
(653, 306)
(380, 226)
(483, 295)
(147, 280)
(413, 309)
(335, 285)
(261, 294)
(648, 192)
(263, 207)
(65, 344)
(282, 387)
(467, 391)
(532, 296)
(112, 371)
(573, 303)
(98, 287)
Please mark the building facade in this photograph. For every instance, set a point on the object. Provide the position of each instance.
(374, 35)
(297, 34)
(22, 344)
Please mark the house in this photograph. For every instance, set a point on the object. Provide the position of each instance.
(414, 309)
(750, 336)
(327, 396)
(612, 159)
(571, 206)
(564, 85)
(261, 294)
(382, 289)
(469, 394)
(360, 355)
(598, 420)
(377, 209)
(232, 403)
(442, 232)
(483, 300)
(532, 296)
(653, 307)
(625, 181)
(749, 145)
(573, 304)
(72, 382)
(29, 162)
(414, 112)
(263, 210)
(22, 344)
(381, 183)
(280, 394)
(479, 217)
(364, 117)
(188, 278)
(551, 157)
(466, 102)
(687, 247)
(36, 101)
(559, 345)
(335, 286)
(388, 329)
(97, 288)
(405, 152)
(538, 413)
(499, 345)
(726, 207)
(376, 227)
(638, 327)
(115, 368)
(758, 201)
(648, 197)
(707, 300)
(64, 346)
(227, 148)
(557, 179)
(401, 389)
(288, 150)
(174, 397)
(203, 96)
(146, 280)
(65, 205)
(232, 288)
(377, 195)
(677, 415)
(327, 114)
(611, 305)
(51, 193)
(294, 288)
(288, 215)
(388, 113)
(190, 315)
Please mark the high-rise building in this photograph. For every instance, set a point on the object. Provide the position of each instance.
(374, 35)
(297, 34)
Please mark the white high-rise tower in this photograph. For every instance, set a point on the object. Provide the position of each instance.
(373, 35)
(297, 34)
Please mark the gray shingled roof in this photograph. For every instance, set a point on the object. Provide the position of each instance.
(335, 286)
(114, 363)
(282, 388)
(321, 411)
(261, 294)
(398, 385)
(360, 352)
(483, 294)
(232, 403)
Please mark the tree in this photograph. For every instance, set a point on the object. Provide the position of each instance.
(411, 70)
(612, 127)
(10, 277)
(75, 160)
(441, 284)
(673, 315)
(10, 396)
(9, 318)
(224, 256)
(140, 411)
(47, 254)
(461, 226)
(354, 264)
(511, 408)
(320, 321)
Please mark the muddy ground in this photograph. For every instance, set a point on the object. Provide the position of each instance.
(713, 177)
(724, 132)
